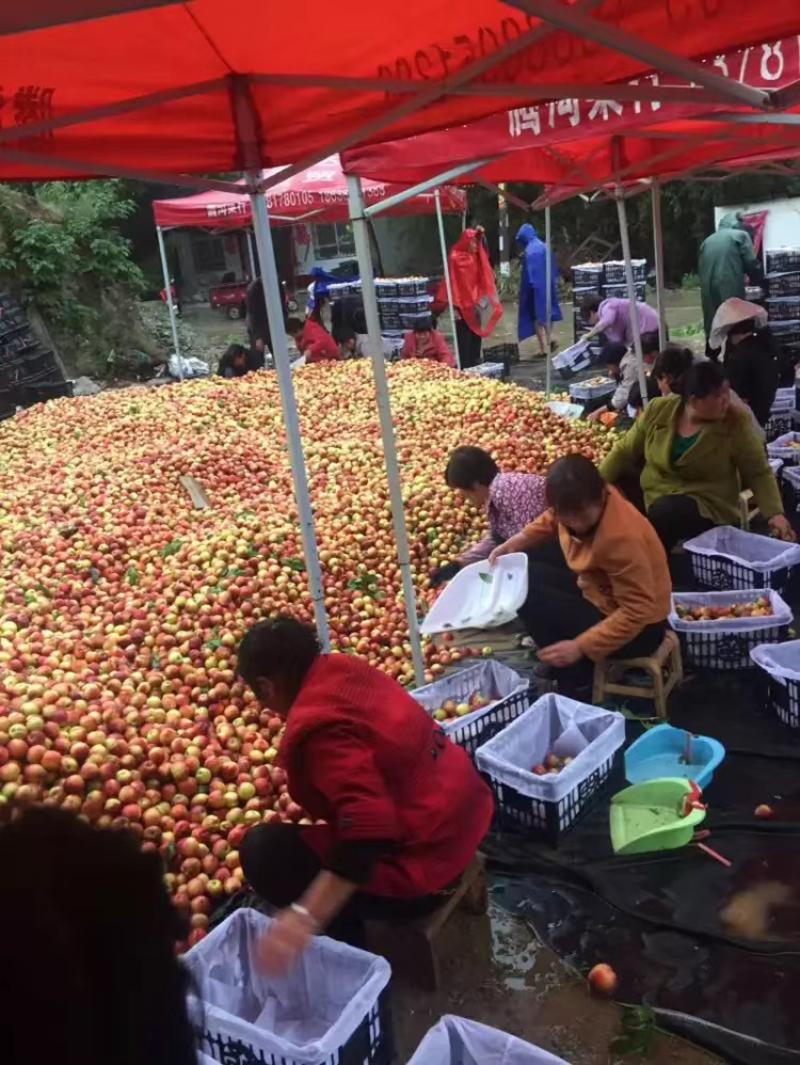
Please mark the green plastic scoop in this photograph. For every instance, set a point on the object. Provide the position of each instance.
(655, 815)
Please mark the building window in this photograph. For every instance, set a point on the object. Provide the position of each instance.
(208, 254)
(334, 241)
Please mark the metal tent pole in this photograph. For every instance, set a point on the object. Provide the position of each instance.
(548, 301)
(251, 255)
(631, 287)
(162, 250)
(359, 223)
(658, 244)
(280, 354)
(448, 283)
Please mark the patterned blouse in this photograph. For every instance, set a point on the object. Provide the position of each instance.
(515, 500)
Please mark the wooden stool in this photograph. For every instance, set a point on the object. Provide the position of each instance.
(410, 946)
(747, 508)
(665, 667)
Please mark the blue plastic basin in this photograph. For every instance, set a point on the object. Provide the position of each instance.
(661, 752)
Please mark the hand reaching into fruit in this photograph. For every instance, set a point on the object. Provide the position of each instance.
(780, 527)
(561, 654)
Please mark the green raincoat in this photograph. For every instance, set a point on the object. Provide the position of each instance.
(726, 258)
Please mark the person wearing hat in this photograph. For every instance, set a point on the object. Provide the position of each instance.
(749, 357)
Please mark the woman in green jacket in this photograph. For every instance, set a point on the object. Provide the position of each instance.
(698, 452)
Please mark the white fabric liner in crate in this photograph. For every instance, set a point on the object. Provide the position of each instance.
(781, 614)
(480, 596)
(760, 553)
(776, 465)
(304, 1017)
(490, 678)
(566, 410)
(780, 660)
(791, 475)
(456, 1041)
(552, 725)
(780, 448)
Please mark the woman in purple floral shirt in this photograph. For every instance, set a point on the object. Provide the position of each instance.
(511, 501)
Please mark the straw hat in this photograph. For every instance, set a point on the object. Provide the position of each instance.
(729, 313)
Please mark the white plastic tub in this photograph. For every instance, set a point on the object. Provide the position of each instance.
(480, 596)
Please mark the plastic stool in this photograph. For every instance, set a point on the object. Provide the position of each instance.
(747, 509)
(410, 946)
(665, 668)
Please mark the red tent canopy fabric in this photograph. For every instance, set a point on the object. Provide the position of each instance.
(316, 195)
(579, 144)
(207, 86)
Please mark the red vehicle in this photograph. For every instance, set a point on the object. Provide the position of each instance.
(231, 297)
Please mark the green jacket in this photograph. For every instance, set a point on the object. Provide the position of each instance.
(726, 458)
(726, 257)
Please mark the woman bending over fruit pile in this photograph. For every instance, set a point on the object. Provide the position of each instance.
(511, 501)
(607, 592)
(698, 452)
(364, 757)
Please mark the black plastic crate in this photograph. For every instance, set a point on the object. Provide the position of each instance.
(614, 271)
(716, 573)
(620, 291)
(473, 734)
(370, 1044)
(778, 424)
(412, 286)
(783, 700)
(783, 308)
(505, 353)
(784, 285)
(409, 321)
(550, 820)
(782, 260)
(729, 650)
(588, 276)
(385, 289)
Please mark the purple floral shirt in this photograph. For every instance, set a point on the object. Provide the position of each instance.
(515, 500)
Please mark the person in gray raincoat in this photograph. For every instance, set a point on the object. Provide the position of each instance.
(727, 257)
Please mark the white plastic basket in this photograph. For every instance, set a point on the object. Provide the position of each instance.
(456, 1041)
(551, 804)
(507, 690)
(327, 1009)
(727, 643)
(780, 448)
(480, 596)
(729, 558)
(584, 390)
(781, 663)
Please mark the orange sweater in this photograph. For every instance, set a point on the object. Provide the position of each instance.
(622, 570)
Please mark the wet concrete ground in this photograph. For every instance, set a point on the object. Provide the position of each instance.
(495, 970)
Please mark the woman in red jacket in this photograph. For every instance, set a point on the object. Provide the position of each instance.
(405, 809)
(425, 342)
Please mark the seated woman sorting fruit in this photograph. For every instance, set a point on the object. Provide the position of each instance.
(364, 757)
(424, 341)
(510, 500)
(699, 452)
(613, 597)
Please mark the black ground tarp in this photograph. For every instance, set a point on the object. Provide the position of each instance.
(714, 950)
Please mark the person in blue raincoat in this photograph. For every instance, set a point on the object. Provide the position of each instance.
(533, 287)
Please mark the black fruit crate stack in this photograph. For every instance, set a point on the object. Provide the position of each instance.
(29, 373)
(783, 295)
(614, 272)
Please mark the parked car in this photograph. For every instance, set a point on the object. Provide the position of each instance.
(231, 298)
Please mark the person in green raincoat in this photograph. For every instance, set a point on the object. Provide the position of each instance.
(727, 257)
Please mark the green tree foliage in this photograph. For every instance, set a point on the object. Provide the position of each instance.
(60, 247)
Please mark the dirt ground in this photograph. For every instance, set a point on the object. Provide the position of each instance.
(495, 970)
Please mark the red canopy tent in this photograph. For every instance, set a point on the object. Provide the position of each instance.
(317, 195)
(155, 90)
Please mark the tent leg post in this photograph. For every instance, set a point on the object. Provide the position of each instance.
(361, 236)
(658, 245)
(548, 280)
(631, 287)
(280, 353)
(251, 255)
(446, 266)
(162, 251)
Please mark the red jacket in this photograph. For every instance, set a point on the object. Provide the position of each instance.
(361, 754)
(436, 349)
(316, 343)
